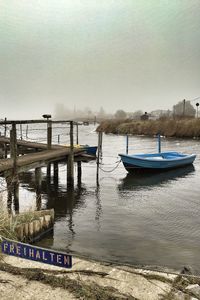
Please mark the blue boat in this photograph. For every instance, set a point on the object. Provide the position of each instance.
(91, 150)
(156, 161)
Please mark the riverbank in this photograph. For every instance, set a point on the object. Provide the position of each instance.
(186, 128)
(91, 280)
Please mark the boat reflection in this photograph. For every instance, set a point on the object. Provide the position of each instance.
(141, 180)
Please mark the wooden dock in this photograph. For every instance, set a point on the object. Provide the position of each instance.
(20, 155)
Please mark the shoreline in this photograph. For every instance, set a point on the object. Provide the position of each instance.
(185, 128)
(90, 279)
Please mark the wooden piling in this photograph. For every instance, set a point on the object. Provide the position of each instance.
(70, 163)
(127, 140)
(5, 127)
(38, 184)
(49, 171)
(99, 152)
(55, 169)
(159, 142)
(101, 142)
(49, 134)
(79, 171)
(5, 145)
(27, 131)
(55, 174)
(9, 193)
(16, 194)
(21, 135)
(14, 181)
(77, 133)
(13, 147)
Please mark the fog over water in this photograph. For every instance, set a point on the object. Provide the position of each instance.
(122, 54)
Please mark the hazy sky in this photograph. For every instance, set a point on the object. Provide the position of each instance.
(127, 54)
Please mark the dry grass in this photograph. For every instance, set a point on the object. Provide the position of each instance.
(187, 128)
(26, 217)
(80, 289)
(7, 226)
(8, 223)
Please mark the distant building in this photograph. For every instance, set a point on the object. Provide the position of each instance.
(144, 117)
(156, 114)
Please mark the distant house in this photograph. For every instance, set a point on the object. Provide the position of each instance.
(156, 114)
(144, 117)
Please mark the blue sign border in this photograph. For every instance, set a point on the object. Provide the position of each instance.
(35, 253)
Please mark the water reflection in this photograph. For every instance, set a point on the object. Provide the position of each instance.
(64, 200)
(98, 208)
(143, 180)
(136, 219)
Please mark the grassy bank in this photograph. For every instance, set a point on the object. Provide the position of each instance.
(9, 223)
(186, 128)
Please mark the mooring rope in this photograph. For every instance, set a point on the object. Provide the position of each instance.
(109, 171)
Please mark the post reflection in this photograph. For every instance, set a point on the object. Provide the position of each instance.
(98, 208)
(65, 200)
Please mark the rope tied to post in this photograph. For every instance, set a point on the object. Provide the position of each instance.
(109, 171)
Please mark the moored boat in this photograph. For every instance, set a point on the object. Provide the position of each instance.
(90, 150)
(156, 161)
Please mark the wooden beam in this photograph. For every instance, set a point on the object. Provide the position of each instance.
(40, 121)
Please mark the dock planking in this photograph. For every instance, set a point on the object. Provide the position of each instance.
(39, 159)
(34, 154)
(23, 155)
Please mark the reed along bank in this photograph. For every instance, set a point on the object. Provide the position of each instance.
(184, 128)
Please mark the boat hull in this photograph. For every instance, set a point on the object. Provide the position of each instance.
(91, 150)
(156, 162)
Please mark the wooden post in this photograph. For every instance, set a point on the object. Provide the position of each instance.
(14, 179)
(58, 138)
(16, 194)
(21, 131)
(79, 171)
(77, 133)
(27, 131)
(9, 193)
(5, 128)
(13, 147)
(98, 154)
(101, 141)
(127, 144)
(5, 145)
(38, 184)
(5, 150)
(184, 107)
(70, 163)
(49, 171)
(55, 172)
(159, 143)
(49, 134)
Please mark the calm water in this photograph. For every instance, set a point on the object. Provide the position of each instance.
(137, 219)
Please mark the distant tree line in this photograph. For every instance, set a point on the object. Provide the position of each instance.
(181, 109)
